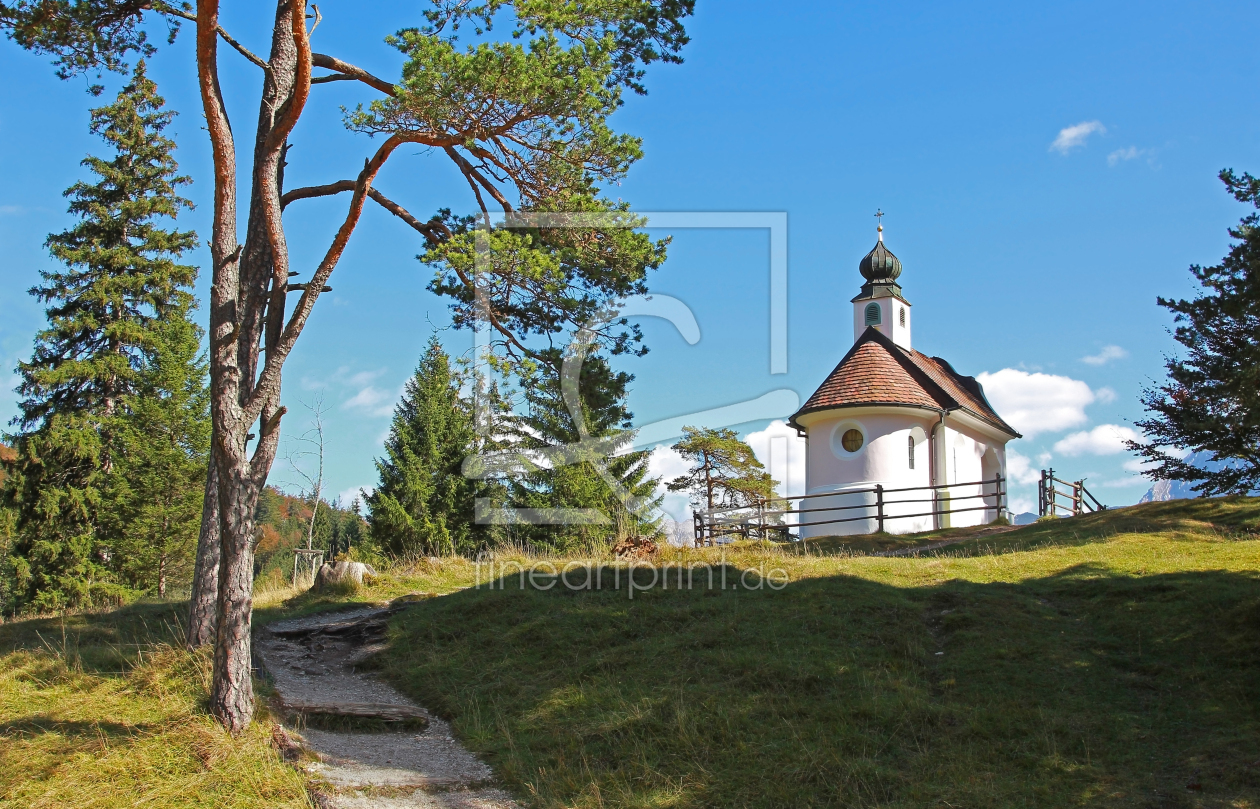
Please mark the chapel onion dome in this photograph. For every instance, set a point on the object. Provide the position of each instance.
(880, 269)
(880, 265)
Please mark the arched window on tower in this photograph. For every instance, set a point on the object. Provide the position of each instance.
(872, 314)
(903, 317)
(910, 443)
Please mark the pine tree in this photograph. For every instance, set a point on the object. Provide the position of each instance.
(1210, 404)
(424, 504)
(597, 474)
(121, 280)
(162, 446)
(724, 471)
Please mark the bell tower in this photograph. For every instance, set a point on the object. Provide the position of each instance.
(880, 304)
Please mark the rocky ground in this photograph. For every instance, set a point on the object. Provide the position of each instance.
(367, 746)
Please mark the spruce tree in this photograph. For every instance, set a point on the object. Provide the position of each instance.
(162, 445)
(121, 280)
(1210, 403)
(121, 273)
(599, 474)
(424, 504)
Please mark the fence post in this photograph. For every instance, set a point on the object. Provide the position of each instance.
(1076, 499)
(879, 506)
(997, 494)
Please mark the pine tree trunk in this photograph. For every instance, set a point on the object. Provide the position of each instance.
(203, 608)
(243, 291)
(232, 692)
(162, 577)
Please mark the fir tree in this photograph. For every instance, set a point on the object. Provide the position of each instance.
(424, 504)
(121, 280)
(162, 447)
(594, 472)
(1210, 403)
(122, 273)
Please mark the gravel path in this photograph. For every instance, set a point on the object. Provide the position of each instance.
(312, 662)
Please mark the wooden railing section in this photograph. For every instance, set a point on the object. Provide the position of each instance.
(767, 518)
(1049, 495)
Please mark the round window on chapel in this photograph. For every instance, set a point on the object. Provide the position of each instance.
(851, 440)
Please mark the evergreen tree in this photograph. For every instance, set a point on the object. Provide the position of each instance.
(121, 280)
(724, 471)
(162, 446)
(424, 504)
(122, 273)
(597, 474)
(1210, 403)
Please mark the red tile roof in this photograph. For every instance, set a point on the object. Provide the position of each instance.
(877, 371)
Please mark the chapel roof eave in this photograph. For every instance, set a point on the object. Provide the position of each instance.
(881, 373)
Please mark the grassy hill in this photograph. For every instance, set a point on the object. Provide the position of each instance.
(1110, 660)
(1104, 660)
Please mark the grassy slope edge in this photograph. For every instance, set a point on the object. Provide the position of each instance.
(1105, 660)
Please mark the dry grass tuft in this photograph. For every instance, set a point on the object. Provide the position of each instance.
(72, 735)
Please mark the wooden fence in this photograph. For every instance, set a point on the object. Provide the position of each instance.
(1049, 495)
(769, 519)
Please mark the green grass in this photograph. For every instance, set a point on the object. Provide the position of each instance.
(1107, 660)
(1110, 660)
(103, 710)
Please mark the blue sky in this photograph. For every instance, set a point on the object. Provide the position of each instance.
(1035, 265)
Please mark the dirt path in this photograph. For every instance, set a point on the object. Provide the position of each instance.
(375, 748)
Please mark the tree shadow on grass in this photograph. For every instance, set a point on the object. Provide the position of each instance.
(1080, 688)
(99, 642)
(39, 724)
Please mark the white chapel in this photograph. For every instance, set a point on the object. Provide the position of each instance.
(892, 417)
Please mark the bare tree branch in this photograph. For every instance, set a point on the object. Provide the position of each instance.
(349, 71)
(241, 49)
(432, 231)
(269, 380)
(470, 171)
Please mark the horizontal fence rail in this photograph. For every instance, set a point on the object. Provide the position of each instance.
(1049, 496)
(768, 518)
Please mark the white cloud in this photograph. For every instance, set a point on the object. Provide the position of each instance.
(1037, 403)
(666, 464)
(1105, 395)
(1073, 136)
(342, 377)
(1130, 153)
(782, 453)
(1105, 439)
(348, 496)
(1136, 465)
(1106, 355)
(373, 401)
(1019, 468)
